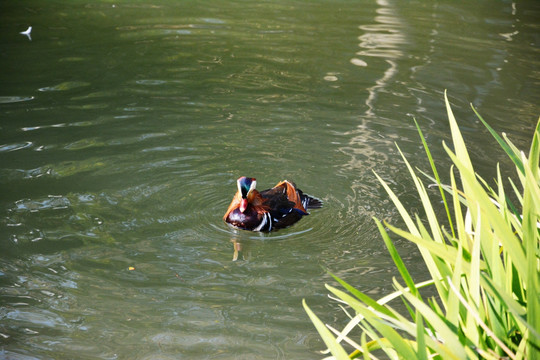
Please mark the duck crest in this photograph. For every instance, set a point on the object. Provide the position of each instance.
(270, 209)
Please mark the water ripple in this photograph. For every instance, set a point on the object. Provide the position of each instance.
(65, 86)
(15, 147)
(14, 99)
(52, 202)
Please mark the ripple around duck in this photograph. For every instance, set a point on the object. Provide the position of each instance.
(208, 219)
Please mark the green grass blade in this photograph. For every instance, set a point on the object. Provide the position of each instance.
(534, 153)
(399, 206)
(397, 259)
(471, 311)
(335, 348)
(457, 139)
(508, 149)
(445, 252)
(402, 346)
(474, 274)
(409, 222)
(473, 281)
(452, 302)
(448, 335)
(507, 300)
(365, 346)
(382, 343)
(426, 202)
(392, 296)
(421, 350)
(520, 354)
(501, 231)
(531, 237)
(458, 215)
(361, 296)
(518, 195)
(447, 188)
(436, 174)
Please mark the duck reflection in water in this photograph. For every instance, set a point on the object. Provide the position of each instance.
(241, 249)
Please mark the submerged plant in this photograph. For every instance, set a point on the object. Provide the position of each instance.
(485, 267)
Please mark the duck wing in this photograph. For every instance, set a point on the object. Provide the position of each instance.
(277, 201)
(301, 201)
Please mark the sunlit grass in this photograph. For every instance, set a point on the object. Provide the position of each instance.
(484, 266)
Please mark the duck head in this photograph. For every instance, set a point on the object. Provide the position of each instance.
(246, 187)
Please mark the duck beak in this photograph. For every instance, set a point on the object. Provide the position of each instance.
(243, 205)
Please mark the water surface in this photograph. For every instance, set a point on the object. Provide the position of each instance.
(124, 126)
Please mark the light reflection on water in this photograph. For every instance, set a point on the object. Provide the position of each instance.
(121, 146)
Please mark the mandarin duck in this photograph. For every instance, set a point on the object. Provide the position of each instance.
(271, 209)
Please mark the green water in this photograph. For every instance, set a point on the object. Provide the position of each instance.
(124, 125)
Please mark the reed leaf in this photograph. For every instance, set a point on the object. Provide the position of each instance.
(501, 231)
(396, 340)
(361, 296)
(397, 259)
(421, 349)
(510, 150)
(436, 176)
(457, 139)
(336, 349)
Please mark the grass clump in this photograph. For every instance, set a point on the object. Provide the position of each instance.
(484, 266)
